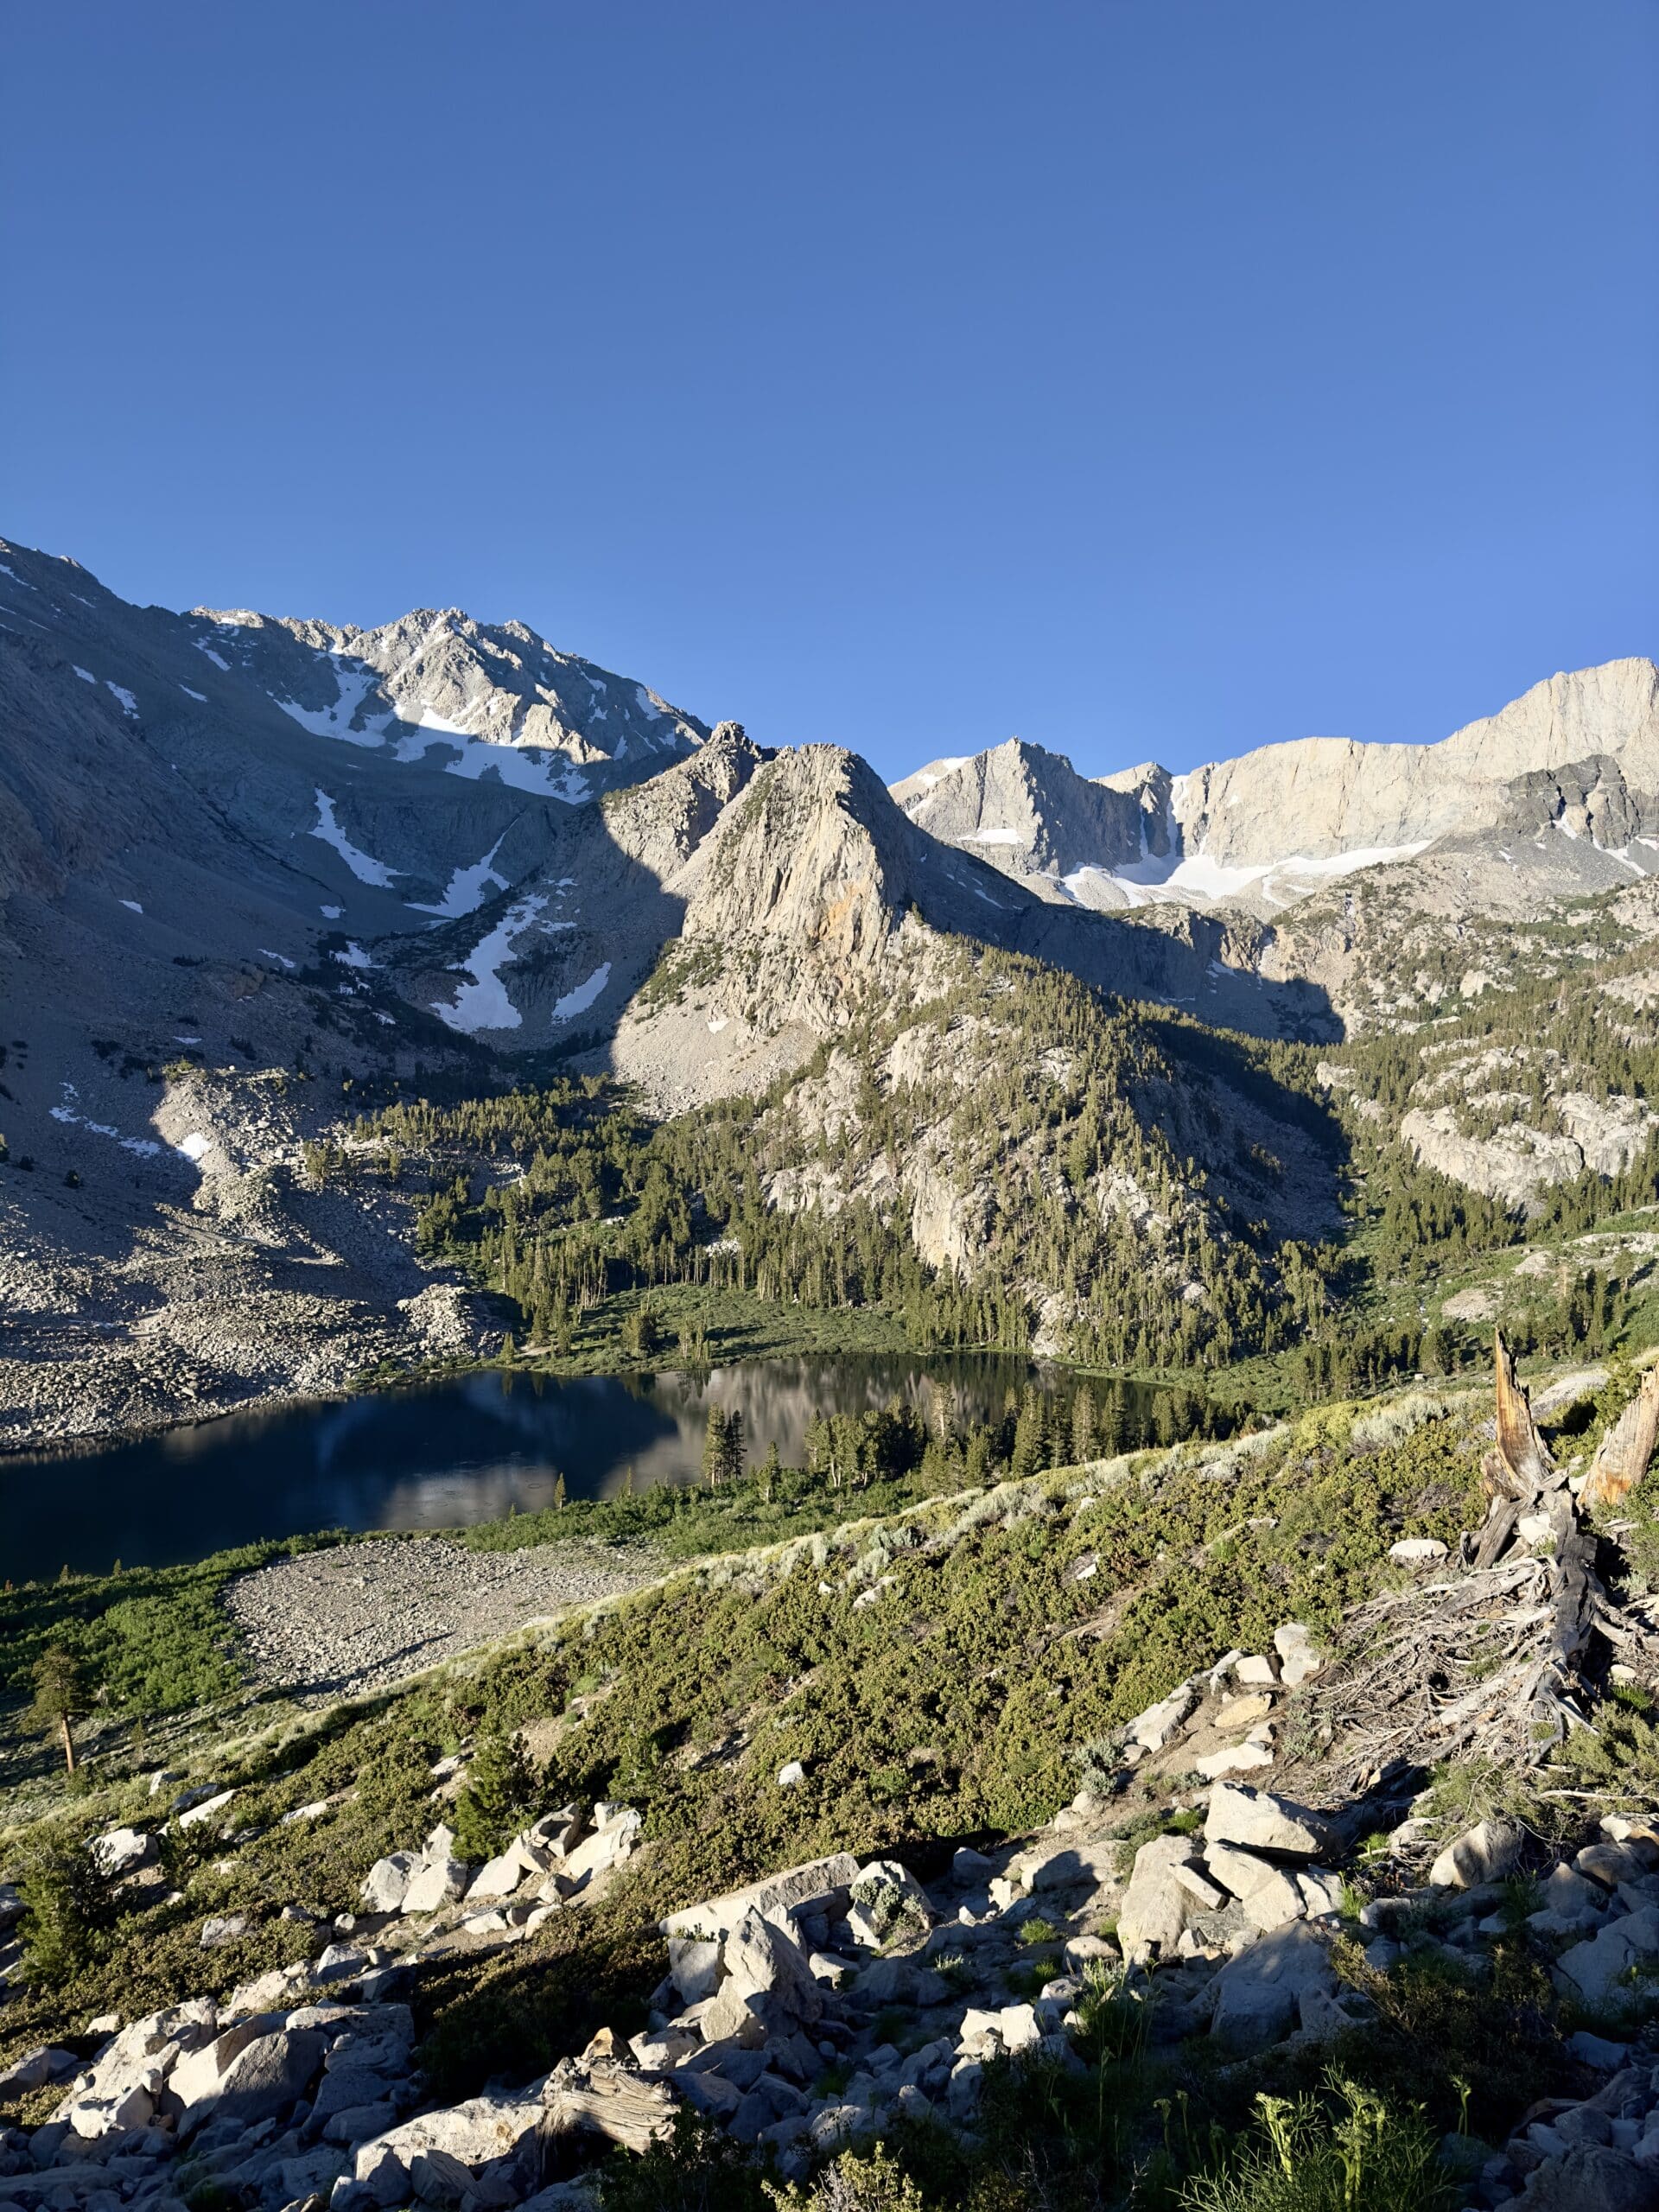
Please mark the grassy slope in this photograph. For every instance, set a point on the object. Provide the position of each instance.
(957, 1704)
(961, 1703)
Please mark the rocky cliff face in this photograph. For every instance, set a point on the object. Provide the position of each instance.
(1578, 755)
(1030, 812)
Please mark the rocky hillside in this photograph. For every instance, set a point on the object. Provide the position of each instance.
(950, 1851)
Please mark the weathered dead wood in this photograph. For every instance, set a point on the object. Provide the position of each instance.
(1501, 1518)
(1524, 1464)
(1626, 1451)
(631, 2108)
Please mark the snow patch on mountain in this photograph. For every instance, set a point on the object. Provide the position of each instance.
(355, 684)
(583, 997)
(483, 1003)
(363, 866)
(467, 890)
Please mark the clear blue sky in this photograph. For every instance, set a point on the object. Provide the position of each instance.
(1149, 377)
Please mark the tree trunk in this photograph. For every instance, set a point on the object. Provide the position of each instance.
(1623, 1456)
(68, 1742)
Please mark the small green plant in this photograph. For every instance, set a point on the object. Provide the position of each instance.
(1037, 1931)
(871, 2181)
(1346, 2151)
(1111, 2028)
(955, 1971)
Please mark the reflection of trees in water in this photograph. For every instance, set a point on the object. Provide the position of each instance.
(467, 1449)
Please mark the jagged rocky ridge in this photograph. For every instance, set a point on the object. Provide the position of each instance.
(1571, 766)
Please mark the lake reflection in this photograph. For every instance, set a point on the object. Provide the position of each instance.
(441, 1454)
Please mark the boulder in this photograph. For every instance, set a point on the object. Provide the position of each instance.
(1416, 1551)
(761, 1960)
(1259, 1994)
(1256, 1820)
(34, 2070)
(1233, 1758)
(435, 1881)
(121, 1850)
(1594, 1968)
(247, 2076)
(1156, 1906)
(693, 1967)
(1322, 1892)
(1198, 1886)
(145, 2051)
(500, 1876)
(1082, 1864)
(205, 1808)
(438, 2178)
(1269, 1895)
(986, 2035)
(359, 2123)
(611, 1842)
(1598, 2051)
(888, 1903)
(790, 1775)
(230, 1928)
(93, 2117)
(1152, 1729)
(1297, 1659)
(1482, 1854)
(821, 1884)
(1611, 1863)
(1590, 2178)
(895, 1981)
(386, 1883)
(473, 2132)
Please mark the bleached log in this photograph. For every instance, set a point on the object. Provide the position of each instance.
(629, 2108)
(1626, 1450)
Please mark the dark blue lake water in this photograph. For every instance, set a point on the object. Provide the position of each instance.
(439, 1455)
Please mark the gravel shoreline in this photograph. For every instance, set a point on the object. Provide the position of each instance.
(362, 1616)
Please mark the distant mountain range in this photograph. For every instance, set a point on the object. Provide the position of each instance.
(249, 866)
(1577, 755)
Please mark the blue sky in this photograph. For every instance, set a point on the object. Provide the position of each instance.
(1151, 377)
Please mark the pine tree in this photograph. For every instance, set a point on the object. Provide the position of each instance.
(732, 1455)
(1030, 1435)
(60, 1693)
(1114, 1423)
(713, 1447)
(502, 1792)
(1082, 1426)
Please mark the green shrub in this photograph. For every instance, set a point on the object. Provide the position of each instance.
(503, 1792)
(65, 1912)
(859, 2181)
(699, 2168)
(1306, 2157)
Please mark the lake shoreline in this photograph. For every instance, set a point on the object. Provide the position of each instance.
(451, 1448)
